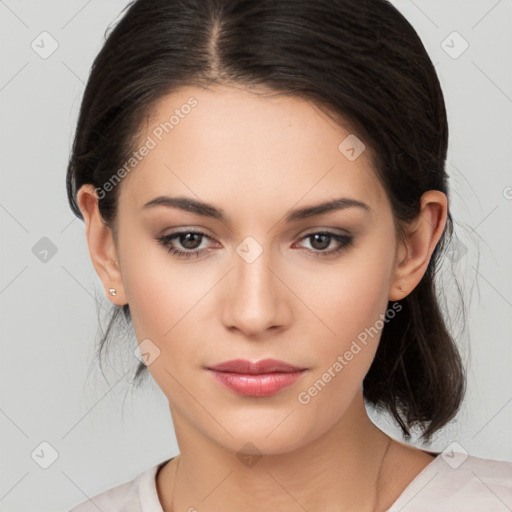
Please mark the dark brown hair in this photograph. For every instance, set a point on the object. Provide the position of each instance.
(364, 62)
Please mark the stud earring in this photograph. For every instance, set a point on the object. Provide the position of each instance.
(112, 291)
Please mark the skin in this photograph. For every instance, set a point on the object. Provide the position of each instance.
(257, 157)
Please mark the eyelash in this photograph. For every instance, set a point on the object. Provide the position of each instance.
(166, 241)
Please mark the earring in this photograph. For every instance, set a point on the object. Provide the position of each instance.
(112, 291)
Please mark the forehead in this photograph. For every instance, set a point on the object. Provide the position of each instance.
(229, 142)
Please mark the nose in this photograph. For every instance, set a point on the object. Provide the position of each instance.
(256, 299)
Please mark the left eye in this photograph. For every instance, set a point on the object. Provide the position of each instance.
(191, 242)
(322, 240)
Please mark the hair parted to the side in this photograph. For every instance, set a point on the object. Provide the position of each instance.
(359, 59)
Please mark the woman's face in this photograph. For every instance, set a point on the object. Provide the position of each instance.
(256, 283)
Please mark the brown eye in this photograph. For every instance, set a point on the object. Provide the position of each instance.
(320, 241)
(190, 241)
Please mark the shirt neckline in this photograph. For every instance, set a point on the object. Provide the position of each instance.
(149, 500)
(408, 492)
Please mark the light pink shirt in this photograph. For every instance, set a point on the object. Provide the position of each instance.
(448, 484)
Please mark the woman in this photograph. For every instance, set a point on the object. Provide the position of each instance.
(264, 193)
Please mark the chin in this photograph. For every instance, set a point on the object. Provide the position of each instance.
(271, 434)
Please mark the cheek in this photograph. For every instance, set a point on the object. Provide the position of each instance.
(165, 308)
(350, 300)
(350, 296)
(351, 306)
(159, 291)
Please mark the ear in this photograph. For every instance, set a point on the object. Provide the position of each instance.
(101, 244)
(421, 238)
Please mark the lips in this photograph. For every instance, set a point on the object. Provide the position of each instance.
(259, 367)
(258, 379)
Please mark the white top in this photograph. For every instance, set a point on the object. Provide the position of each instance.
(451, 482)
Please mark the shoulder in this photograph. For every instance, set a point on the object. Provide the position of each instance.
(457, 481)
(137, 495)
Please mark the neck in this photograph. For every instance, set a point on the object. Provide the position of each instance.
(340, 469)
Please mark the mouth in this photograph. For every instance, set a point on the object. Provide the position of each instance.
(259, 379)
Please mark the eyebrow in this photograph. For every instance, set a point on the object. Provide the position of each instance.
(208, 210)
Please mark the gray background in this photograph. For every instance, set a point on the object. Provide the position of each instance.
(50, 390)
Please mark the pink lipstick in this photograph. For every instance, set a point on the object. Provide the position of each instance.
(258, 379)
